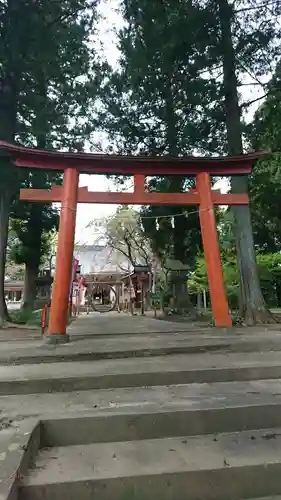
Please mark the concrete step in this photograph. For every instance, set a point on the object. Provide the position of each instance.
(213, 467)
(149, 424)
(144, 399)
(134, 346)
(146, 413)
(162, 370)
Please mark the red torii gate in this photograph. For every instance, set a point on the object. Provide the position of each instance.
(139, 166)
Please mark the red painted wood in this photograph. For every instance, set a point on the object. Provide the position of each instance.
(139, 184)
(139, 197)
(230, 199)
(212, 252)
(73, 163)
(116, 164)
(125, 167)
(62, 280)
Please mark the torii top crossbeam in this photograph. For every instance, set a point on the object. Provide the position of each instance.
(139, 166)
(127, 164)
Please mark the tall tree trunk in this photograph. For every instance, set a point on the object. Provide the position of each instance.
(4, 225)
(9, 92)
(252, 305)
(199, 302)
(278, 292)
(30, 288)
(8, 113)
(32, 264)
(181, 299)
(35, 224)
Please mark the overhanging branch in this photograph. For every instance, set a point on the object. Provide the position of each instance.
(258, 6)
(249, 103)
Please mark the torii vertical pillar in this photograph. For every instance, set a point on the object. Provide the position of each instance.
(63, 275)
(212, 252)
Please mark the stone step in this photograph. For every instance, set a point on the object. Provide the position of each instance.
(153, 399)
(149, 424)
(149, 412)
(162, 370)
(134, 346)
(212, 467)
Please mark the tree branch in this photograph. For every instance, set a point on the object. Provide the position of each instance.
(248, 84)
(251, 75)
(111, 244)
(249, 103)
(255, 7)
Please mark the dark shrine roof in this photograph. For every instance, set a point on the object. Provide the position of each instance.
(118, 164)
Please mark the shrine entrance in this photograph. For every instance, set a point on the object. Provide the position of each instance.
(103, 297)
(72, 164)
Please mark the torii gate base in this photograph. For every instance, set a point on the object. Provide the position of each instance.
(69, 195)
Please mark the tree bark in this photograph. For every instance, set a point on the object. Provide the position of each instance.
(205, 301)
(9, 91)
(199, 302)
(181, 300)
(32, 264)
(35, 225)
(30, 289)
(4, 226)
(8, 180)
(278, 292)
(252, 305)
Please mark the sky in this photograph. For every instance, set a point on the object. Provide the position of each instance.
(106, 39)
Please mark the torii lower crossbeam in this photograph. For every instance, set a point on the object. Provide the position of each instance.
(136, 198)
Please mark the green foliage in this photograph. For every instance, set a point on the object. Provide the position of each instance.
(28, 318)
(48, 76)
(157, 102)
(269, 267)
(62, 75)
(25, 249)
(174, 231)
(151, 106)
(265, 182)
(33, 223)
(178, 92)
(44, 51)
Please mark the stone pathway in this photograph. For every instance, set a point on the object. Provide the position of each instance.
(120, 323)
